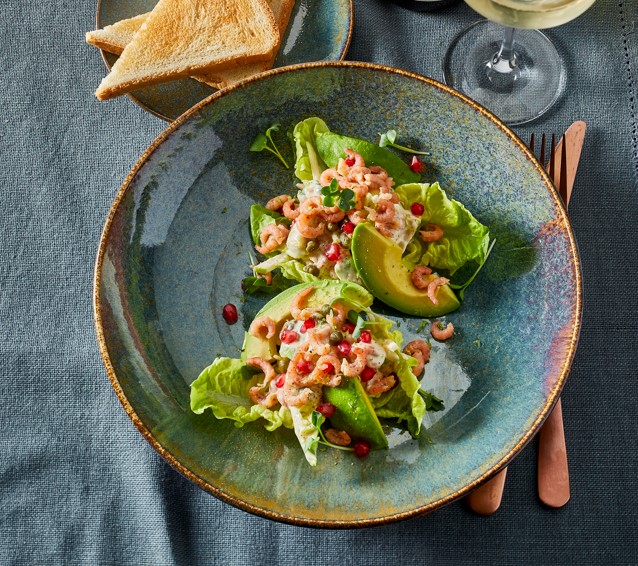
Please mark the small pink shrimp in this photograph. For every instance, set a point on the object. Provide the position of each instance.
(420, 351)
(262, 327)
(387, 194)
(337, 315)
(311, 206)
(434, 285)
(357, 216)
(267, 277)
(277, 202)
(378, 178)
(272, 236)
(318, 340)
(358, 160)
(310, 226)
(440, 333)
(380, 383)
(332, 214)
(260, 396)
(325, 372)
(263, 365)
(354, 368)
(296, 310)
(327, 176)
(420, 276)
(290, 209)
(294, 396)
(432, 233)
(338, 437)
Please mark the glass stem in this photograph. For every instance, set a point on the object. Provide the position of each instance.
(504, 62)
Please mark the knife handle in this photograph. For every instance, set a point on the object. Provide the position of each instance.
(486, 499)
(553, 472)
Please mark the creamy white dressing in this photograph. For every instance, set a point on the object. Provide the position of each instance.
(344, 269)
(376, 354)
(289, 350)
(407, 225)
(296, 243)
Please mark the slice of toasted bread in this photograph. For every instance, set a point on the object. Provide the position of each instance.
(183, 37)
(117, 36)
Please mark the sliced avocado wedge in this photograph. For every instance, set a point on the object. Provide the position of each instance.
(354, 412)
(377, 260)
(278, 310)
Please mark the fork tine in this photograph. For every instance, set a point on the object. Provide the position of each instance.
(542, 157)
(531, 142)
(563, 172)
(552, 161)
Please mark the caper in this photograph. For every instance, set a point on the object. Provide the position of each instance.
(312, 269)
(332, 226)
(335, 337)
(311, 246)
(325, 310)
(345, 241)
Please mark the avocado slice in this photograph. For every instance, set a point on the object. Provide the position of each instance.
(354, 412)
(278, 310)
(377, 260)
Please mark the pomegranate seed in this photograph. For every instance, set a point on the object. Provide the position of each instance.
(288, 336)
(304, 367)
(328, 368)
(347, 327)
(361, 448)
(280, 380)
(229, 312)
(350, 161)
(367, 374)
(344, 347)
(307, 324)
(365, 336)
(347, 227)
(333, 253)
(417, 209)
(326, 409)
(417, 165)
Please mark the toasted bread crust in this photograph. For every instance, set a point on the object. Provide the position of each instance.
(184, 37)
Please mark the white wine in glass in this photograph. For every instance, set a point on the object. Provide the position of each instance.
(515, 73)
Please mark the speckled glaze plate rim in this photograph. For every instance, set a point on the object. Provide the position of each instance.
(98, 25)
(299, 521)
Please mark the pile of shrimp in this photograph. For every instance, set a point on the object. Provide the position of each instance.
(316, 362)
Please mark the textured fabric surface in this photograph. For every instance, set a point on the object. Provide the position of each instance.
(79, 484)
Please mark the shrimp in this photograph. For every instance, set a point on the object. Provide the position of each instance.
(357, 216)
(318, 340)
(290, 209)
(387, 194)
(325, 372)
(263, 365)
(338, 437)
(384, 218)
(332, 213)
(277, 202)
(296, 307)
(311, 206)
(434, 285)
(420, 276)
(420, 351)
(291, 395)
(267, 277)
(310, 226)
(262, 327)
(378, 178)
(440, 333)
(259, 396)
(380, 383)
(337, 315)
(272, 236)
(358, 160)
(354, 368)
(432, 233)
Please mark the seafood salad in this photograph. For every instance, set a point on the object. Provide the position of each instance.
(318, 360)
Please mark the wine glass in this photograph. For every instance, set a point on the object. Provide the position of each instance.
(514, 71)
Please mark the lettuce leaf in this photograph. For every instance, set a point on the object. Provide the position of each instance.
(260, 217)
(293, 269)
(413, 253)
(223, 388)
(307, 433)
(308, 165)
(465, 238)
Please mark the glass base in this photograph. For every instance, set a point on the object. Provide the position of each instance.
(516, 92)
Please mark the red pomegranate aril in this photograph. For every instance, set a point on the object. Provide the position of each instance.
(366, 336)
(333, 253)
(229, 312)
(347, 327)
(326, 409)
(417, 209)
(328, 368)
(288, 336)
(417, 165)
(304, 367)
(280, 380)
(361, 448)
(307, 325)
(350, 161)
(347, 227)
(344, 347)
(367, 374)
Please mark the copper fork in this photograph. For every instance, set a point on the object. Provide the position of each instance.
(553, 473)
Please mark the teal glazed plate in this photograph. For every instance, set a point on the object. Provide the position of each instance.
(176, 245)
(318, 30)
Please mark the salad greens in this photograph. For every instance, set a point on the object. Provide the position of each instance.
(261, 142)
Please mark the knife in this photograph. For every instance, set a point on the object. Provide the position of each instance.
(553, 473)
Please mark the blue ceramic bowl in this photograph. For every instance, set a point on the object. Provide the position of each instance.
(175, 248)
(318, 30)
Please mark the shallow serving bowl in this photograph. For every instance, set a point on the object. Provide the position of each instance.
(176, 246)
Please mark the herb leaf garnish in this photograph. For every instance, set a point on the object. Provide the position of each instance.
(317, 419)
(261, 142)
(332, 193)
(390, 137)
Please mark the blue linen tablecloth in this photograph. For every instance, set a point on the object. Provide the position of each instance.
(79, 484)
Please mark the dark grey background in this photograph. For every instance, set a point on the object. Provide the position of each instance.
(78, 484)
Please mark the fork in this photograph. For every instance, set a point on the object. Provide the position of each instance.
(553, 473)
